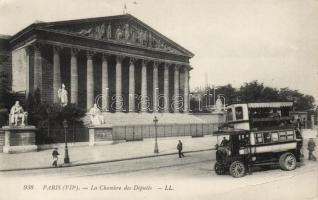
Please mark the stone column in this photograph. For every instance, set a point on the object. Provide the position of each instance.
(186, 89)
(312, 121)
(37, 67)
(144, 97)
(119, 98)
(56, 72)
(89, 81)
(166, 87)
(132, 85)
(155, 87)
(27, 81)
(105, 87)
(176, 89)
(74, 76)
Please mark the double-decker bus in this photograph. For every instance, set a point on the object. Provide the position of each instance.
(257, 134)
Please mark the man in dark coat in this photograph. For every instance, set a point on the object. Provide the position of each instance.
(311, 148)
(55, 155)
(179, 147)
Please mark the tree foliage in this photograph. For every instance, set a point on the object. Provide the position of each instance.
(228, 92)
(255, 91)
(5, 98)
(46, 114)
(301, 101)
(5, 94)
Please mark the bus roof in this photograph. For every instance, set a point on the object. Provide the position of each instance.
(266, 104)
(270, 105)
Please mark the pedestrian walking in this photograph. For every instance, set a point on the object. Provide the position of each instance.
(311, 149)
(55, 155)
(179, 147)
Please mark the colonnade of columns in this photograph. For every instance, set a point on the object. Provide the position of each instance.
(119, 87)
(132, 90)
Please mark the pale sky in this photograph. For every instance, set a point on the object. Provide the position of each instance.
(234, 41)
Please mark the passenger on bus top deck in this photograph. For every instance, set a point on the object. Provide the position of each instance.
(238, 114)
(224, 142)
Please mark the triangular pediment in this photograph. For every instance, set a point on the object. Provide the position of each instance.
(124, 29)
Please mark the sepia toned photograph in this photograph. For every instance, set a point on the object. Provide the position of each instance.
(170, 99)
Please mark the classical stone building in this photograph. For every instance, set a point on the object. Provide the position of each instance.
(5, 56)
(118, 62)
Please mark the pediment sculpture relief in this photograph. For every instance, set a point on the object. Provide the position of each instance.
(98, 32)
(126, 33)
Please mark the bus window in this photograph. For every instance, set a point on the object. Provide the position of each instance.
(244, 140)
(259, 138)
(267, 137)
(274, 137)
(290, 135)
(239, 113)
(282, 136)
(229, 115)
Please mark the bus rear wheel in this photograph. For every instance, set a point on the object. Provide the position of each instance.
(237, 169)
(287, 161)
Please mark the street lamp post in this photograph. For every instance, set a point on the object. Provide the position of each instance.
(214, 88)
(155, 120)
(210, 106)
(66, 157)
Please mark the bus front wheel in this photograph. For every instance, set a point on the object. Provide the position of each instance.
(287, 161)
(237, 169)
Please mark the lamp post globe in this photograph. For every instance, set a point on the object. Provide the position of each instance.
(155, 121)
(66, 157)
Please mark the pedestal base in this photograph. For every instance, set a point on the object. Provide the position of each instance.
(19, 139)
(100, 134)
(19, 149)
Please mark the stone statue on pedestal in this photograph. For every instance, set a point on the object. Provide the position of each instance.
(18, 136)
(96, 116)
(17, 113)
(218, 105)
(62, 94)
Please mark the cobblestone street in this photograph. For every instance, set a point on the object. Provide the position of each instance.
(168, 176)
(193, 172)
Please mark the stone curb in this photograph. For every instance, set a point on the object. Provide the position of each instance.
(104, 161)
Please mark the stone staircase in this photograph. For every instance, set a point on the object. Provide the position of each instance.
(120, 119)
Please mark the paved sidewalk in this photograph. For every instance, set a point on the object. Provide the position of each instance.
(81, 155)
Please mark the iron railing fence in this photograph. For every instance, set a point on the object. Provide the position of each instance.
(57, 135)
(138, 132)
